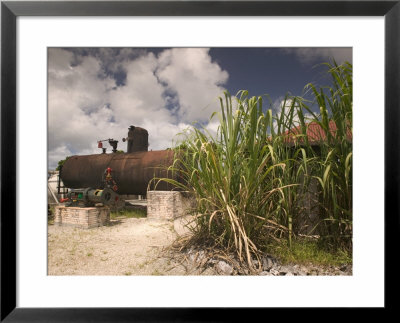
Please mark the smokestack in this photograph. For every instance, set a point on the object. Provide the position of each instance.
(138, 139)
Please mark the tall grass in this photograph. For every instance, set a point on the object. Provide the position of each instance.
(229, 174)
(333, 169)
(252, 179)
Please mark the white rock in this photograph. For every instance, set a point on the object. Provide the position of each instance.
(268, 263)
(224, 268)
(274, 272)
(265, 273)
(285, 269)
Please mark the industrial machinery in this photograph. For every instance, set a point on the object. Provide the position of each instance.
(105, 195)
(133, 171)
(90, 197)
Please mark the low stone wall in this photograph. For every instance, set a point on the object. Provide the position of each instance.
(81, 217)
(167, 205)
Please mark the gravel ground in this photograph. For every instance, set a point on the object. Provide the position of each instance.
(130, 246)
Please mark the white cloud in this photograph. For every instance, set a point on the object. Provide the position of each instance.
(195, 79)
(162, 134)
(58, 154)
(162, 94)
(313, 55)
(280, 105)
(77, 101)
(142, 95)
(212, 127)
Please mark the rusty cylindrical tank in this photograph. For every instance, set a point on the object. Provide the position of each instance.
(131, 171)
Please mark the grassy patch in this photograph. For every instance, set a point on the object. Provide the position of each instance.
(307, 252)
(50, 214)
(129, 213)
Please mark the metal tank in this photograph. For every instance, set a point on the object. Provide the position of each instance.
(131, 171)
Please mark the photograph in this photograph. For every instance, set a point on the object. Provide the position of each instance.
(199, 158)
(200, 161)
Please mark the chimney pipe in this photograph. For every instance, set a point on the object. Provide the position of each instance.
(138, 139)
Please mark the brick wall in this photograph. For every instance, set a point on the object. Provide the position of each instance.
(82, 217)
(167, 204)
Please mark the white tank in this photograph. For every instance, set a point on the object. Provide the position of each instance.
(52, 192)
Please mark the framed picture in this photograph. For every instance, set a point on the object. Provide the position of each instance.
(196, 24)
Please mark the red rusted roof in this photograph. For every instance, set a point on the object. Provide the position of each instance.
(315, 133)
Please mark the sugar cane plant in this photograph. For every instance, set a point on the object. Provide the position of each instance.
(250, 180)
(333, 169)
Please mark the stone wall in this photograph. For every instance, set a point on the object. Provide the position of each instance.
(167, 204)
(81, 217)
(307, 219)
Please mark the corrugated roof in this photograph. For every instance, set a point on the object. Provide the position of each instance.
(315, 133)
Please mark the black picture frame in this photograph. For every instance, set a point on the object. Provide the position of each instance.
(10, 10)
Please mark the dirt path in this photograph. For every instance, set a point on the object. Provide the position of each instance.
(128, 246)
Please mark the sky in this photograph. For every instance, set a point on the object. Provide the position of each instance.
(97, 93)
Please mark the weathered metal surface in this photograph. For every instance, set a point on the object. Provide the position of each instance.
(132, 171)
(138, 139)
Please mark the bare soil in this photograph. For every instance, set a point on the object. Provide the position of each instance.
(131, 246)
(128, 246)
